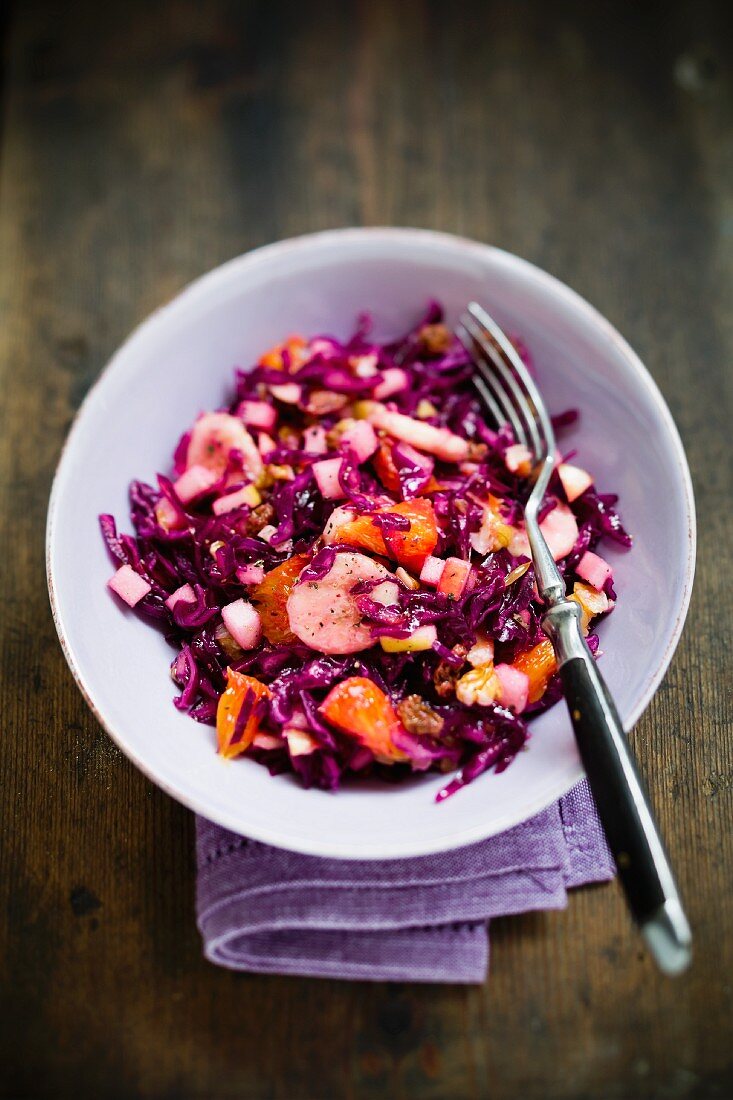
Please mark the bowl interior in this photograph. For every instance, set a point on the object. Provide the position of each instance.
(180, 363)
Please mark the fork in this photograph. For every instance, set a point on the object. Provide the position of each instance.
(510, 395)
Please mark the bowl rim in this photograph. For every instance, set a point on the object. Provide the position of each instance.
(209, 281)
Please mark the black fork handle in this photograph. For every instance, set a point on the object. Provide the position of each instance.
(623, 804)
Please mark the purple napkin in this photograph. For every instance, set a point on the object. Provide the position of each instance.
(423, 919)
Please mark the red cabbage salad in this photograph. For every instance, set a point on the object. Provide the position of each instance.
(339, 561)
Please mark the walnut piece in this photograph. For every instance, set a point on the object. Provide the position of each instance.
(435, 339)
(446, 675)
(479, 687)
(418, 717)
(259, 517)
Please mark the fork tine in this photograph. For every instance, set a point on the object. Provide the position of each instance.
(480, 381)
(516, 395)
(489, 386)
(540, 416)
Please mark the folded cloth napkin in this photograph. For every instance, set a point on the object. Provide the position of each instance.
(422, 919)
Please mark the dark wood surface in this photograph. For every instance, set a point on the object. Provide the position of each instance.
(145, 142)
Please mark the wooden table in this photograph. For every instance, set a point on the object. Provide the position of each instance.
(143, 143)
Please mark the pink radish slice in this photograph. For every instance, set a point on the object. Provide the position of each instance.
(325, 615)
(214, 436)
(129, 585)
(426, 437)
(424, 637)
(242, 621)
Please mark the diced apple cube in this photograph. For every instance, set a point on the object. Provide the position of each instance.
(514, 687)
(168, 516)
(258, 414)
(287, 392)
(594, 569)
(242, 621)
(421, 639)
(364, 366)
(267, 532)
(454, 577)
(518, 459)
(265, 444)
(129, 585)
(394, 380)
(361, 438)
(432, 571)
(194, 482)
(250, 574)
(185, 592)
(574, 480)
(314, 439)
(247, 495)
(326, 474)
(299, 742)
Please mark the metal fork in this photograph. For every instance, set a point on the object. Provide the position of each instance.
(511, 397)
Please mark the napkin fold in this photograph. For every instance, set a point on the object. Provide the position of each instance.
(422, 919)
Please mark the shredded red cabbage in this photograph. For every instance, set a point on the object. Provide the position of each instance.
(434, 705)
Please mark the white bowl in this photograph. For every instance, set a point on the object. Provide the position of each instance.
(180, 362)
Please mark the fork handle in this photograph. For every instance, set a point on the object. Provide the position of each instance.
(623, 805)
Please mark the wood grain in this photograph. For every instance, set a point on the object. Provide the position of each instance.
(143, 143)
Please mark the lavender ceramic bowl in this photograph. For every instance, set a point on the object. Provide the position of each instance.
(179, 362)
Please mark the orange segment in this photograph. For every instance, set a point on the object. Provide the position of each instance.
(240, 689)
(409, 548)
(388, 474)
(385, 468)
(539, 664)
(271, 597)
(360, 709)
(273, 358)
